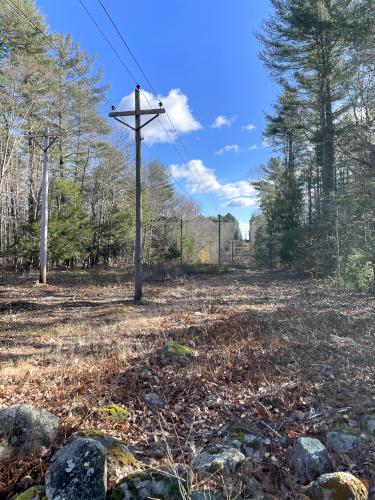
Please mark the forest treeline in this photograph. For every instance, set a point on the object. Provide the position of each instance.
(317, 196)
(91, 202)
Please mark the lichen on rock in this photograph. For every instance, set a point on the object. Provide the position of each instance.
(336, 486)
(309, 458)
(218, 458)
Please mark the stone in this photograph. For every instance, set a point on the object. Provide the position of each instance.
(120, 461)
(172, 484)
(33, 493)
(206, 495)
(176, 351)
(114, 412)
(26, 430)
(309, 458)
(153, 399)
(250, 444)
(368, 424)
(346, 440)
(336, 486)
(78, 470)
(219, 458)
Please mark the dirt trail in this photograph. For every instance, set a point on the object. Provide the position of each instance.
(269, 348)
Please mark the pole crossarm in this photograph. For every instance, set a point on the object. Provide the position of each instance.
(157, 111)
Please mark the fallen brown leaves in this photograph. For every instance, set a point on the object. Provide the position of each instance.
(291, 357)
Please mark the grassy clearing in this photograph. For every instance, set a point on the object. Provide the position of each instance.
(266, 347)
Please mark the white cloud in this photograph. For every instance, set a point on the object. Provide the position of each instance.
(201, 179)
(240, 203)
(223, 121)
(227, 149)
(248, 128)
(253, 147)
(176, 104)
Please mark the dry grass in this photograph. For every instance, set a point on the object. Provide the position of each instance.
(268, 346)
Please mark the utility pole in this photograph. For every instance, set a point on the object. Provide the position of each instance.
(181, 242)
(137, 113)
(232, 253)
(47, 143)
(219, 249)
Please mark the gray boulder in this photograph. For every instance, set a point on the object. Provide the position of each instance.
(346, 440)
(219, 458)
(172, 484)
(120, 461)
(309, 458)
(153, 399)
(368, 424)
(79, 470)
(26, 430)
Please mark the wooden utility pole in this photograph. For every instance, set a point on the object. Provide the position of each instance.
(219, 249)
(181, 241)
(47, 143)
(232, 253)
(137, 113)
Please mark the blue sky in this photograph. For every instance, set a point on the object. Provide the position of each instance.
(202, 58)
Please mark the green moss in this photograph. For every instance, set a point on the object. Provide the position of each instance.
(114, 412)
(237, 436)
(30, 493)
(123, 457)
(213, 451)
(177, 349)
(91, 433)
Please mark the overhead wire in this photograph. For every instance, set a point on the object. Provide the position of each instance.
(56, 48)
(136, 82)
(178, 135)
(82, 75)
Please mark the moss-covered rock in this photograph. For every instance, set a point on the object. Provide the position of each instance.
(31, 493)
(172, 484)
(336, 486)
(114, 412)
(120, 461)
(176, 351)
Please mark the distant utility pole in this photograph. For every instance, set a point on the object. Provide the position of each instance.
(137, 113)
(232, 253)
(181, 241)
(48, 140)
(219, 249)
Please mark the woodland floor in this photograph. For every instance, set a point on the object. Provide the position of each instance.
(292, 356)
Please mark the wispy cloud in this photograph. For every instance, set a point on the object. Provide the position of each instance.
(253, 147)
(178, 109)
(223, 121)
(201, 179)
(248, 128)
(230, 148)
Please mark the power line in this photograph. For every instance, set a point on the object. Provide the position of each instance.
(212, 201)
(109, 42)
(56, 48)
(135, 80)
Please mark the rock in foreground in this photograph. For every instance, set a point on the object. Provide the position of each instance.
(309, 458)
(346, 440)
(336, 486)
(219, 458)
(174, 484)
(120, 461)
(26, 430)
(79, 470)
